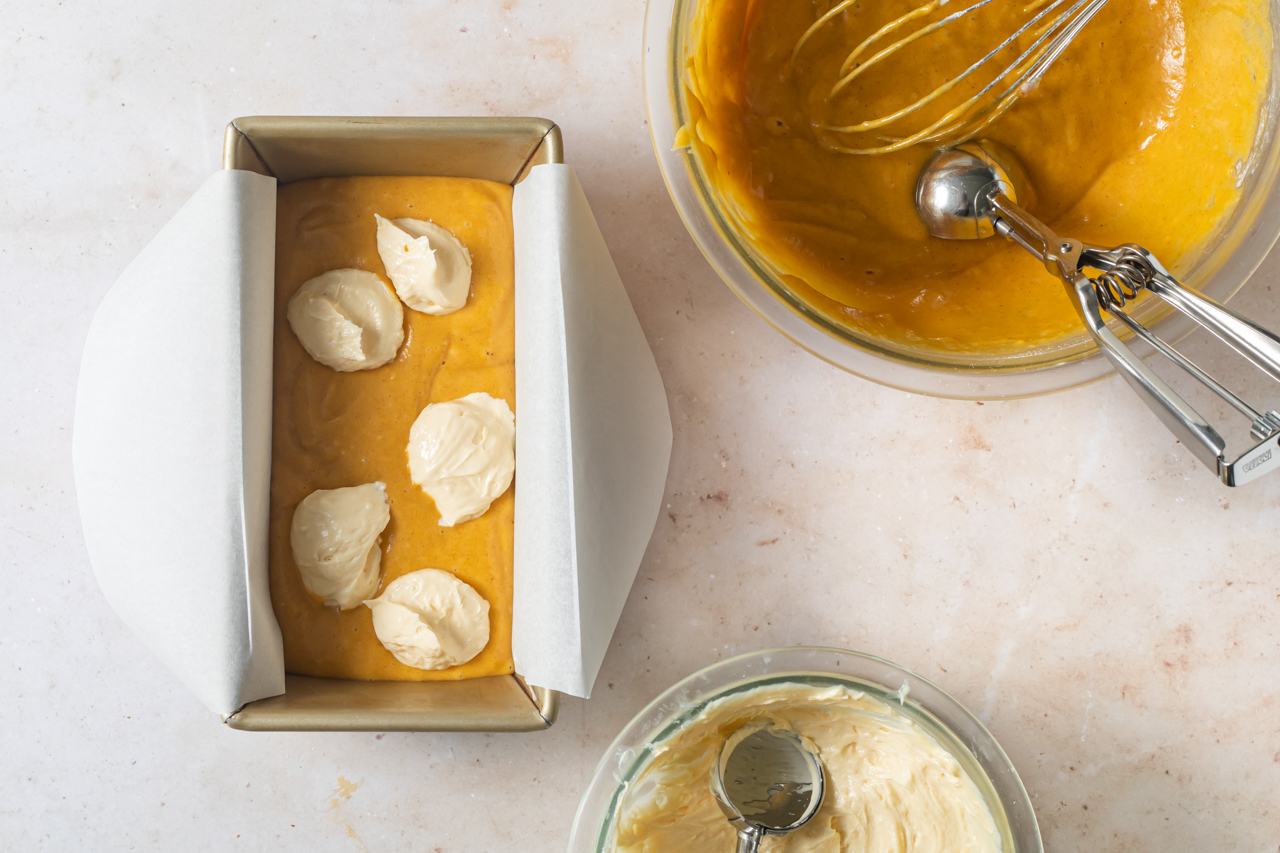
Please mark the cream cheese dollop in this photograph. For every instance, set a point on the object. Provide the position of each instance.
(429, 619)
(347, 319)
(890, 786)
(335, 536)
(463, 454)
(430, 268)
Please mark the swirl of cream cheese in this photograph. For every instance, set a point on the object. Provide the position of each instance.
(347, 319)
(430, 268)
(334, 537)
(463, 454)
(429, 619)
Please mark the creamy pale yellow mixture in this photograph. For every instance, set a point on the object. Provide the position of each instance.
(890, 786)
(1139, 133)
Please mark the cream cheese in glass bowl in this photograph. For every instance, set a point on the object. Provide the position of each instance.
(623, 779)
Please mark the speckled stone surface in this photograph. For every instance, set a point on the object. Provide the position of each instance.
(1058, 564)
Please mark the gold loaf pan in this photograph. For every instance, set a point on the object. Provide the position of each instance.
(296, 148)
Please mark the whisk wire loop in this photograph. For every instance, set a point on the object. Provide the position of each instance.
(833, 12)
(961, 122)
(1071, 23)
(980, 110)
(850, 68)
(949, 85)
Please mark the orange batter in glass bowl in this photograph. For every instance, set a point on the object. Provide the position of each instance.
(331, 429)
(1144, 131)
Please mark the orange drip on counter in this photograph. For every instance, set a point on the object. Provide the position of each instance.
(334, 429)
(1139, 133)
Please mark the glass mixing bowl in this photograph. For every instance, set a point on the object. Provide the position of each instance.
(945, 719)
(1222, 269)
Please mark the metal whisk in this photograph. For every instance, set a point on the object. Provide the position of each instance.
(1050, 24)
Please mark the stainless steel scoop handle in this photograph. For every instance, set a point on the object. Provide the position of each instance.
(1240, 333)
(1135, 268)
(749, 839)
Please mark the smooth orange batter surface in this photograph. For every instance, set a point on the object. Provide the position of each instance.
(1141, 132)
(334, 429)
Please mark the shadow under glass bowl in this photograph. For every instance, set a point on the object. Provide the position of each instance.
(925, 703)
(1224, 266)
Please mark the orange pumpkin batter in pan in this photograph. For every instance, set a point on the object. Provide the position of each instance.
(333, 429)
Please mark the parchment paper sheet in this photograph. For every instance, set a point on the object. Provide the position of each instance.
(593, 437)
(172, 443)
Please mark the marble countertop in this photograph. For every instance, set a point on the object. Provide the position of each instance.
(1059, 564)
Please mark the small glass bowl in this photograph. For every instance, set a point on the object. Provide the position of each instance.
(1223, 268)
(925, 703)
